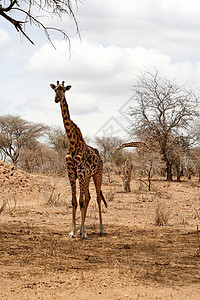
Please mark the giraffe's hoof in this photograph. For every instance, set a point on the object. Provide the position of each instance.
(79, 232)
(102, 233)
(84, 236)
(72, 235)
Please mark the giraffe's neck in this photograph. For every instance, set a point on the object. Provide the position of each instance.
(72, 130)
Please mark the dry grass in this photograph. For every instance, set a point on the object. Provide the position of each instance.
(162, 215)
(110, 195)
(54, 192)
(39, 261)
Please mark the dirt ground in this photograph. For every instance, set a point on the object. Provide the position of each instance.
(136, 259)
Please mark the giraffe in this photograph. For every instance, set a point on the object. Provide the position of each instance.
(83, 162)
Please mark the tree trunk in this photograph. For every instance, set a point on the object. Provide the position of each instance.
(169, 171)
(178, 175)
(127, 170)
(178, 171)
(127, 186)
(149, 180)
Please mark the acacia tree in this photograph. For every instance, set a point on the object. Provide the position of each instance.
(16, 134)
(24, 12)
(162, 113)
(107, 146)
(37, 157)
(58, 141)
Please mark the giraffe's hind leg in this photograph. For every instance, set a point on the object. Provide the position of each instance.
(82, 205)
(87, 195)
(97, 182)
(87, 200)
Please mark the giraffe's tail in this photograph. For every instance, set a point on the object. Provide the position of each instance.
(102, 197)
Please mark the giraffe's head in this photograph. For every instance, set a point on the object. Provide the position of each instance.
(60, 90)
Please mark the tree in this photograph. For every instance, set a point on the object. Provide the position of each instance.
(38, 158)
(146, 162)
(193, 163)
(115, 161)
(162, 113)
(59, 142)
(58, 139)
(123, 165)
(26, 10)
(107, 146)
(17, 133)
(127, 169)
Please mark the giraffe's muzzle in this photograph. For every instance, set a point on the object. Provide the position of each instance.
(57, 99)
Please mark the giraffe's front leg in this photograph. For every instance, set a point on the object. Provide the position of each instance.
(73, 231)
(72, 179)
(82, 228)
(86, 202)
(82, 208)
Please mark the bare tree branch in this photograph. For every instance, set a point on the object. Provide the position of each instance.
(53, 8)
(162, 114)
(6, 9)
(134, 144)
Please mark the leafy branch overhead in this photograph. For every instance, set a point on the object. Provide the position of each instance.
(21, 13)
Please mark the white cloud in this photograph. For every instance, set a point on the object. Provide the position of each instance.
(155, 24)
(100, 70)
(4, 43)
(4, 37)
(83, 104)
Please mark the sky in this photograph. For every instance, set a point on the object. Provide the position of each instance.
(119, 40)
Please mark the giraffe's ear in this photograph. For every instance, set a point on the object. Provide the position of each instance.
(68, 87)
(52, 86)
